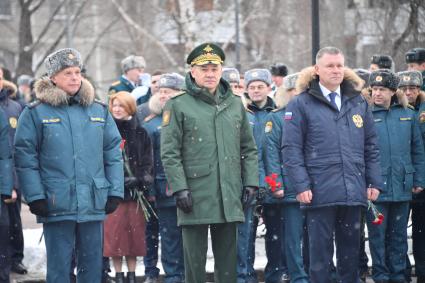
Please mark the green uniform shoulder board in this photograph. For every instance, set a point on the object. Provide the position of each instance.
(101, 102)
(34, 104)
(149, 117)
(178, 94)
(115, 83)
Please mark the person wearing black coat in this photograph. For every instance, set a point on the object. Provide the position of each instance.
(124, 229)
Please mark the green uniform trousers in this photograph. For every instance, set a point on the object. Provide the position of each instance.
(195, 246)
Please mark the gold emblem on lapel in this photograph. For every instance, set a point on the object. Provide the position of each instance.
(358, 120)
(13, 122)
(166, 118)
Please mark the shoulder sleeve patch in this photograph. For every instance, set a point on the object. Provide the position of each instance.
(166, 118)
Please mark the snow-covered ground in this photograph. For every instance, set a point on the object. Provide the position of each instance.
(35, 254)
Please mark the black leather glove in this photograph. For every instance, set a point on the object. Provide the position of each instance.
(248, 195)
(112, 204)
(39, 207)
(131, 182)
(184, 200)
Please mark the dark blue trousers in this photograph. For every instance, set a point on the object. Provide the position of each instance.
(246, 241)
(61, 238)
(5, 260)
(275, 242)
(16, 235)
(294, 230)
(323, 223)
(152, 241)
(388, 241)
(418, 236)
(171, 245)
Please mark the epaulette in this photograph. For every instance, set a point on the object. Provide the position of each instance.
(411, 106)
(249, 110)
(275, 110)
(101, 102)
(178, 94)
(116, 83)
(149, 117)
(34, 104)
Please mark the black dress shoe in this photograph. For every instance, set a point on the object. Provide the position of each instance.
(119, 277)
(19, 268)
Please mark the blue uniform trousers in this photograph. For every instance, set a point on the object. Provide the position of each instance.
(323, 223)
(388, 241)
(418, 236)
(5, 259)
(246, 241)
(61, 238)
(16, 235)
(152, 240)
(171, 245)
(294, 230)
(275, 242)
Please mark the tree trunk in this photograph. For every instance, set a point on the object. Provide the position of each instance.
(25, 40)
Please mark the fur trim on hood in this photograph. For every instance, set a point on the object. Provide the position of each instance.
(308, 74)
(281, 98)
(11, 87)
(421, 96)
(48, 93)
(155, 105)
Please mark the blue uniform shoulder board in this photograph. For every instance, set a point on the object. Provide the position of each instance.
(100, 102)
(34, 104)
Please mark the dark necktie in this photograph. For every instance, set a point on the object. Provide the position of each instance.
(332, 96)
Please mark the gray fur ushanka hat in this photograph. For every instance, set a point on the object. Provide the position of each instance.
(62, 59)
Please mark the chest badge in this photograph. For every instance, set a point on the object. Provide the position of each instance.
(13, 122)
(269, 126)
(358, 120)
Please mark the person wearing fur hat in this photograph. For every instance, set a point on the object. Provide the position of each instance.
(379, 61)
(133, 78)
(415, 60)
(232, 76)
(13, 109)
(279, 71)
(292, 218)
(331, 157)
(410, 85)
(204, 133)
(69, 166)
(403, 163)
(259, 104)
(170, 84)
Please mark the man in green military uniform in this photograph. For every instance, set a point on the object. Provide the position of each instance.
(210, 160)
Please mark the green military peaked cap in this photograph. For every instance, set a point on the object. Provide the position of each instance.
(206, 53)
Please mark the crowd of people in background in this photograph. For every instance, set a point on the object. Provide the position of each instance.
(317, 155)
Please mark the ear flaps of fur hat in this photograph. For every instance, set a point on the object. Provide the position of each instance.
(384, 78)
(62, 59)
(132, 62)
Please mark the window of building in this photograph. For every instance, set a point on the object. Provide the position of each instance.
(5, 9)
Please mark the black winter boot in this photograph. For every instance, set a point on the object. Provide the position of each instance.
(131, 277)
(119, 277)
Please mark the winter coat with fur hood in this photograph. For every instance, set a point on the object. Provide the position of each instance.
(401, 150)
(67, 152)
(332, 153)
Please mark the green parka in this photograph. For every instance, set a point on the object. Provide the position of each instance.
(207, 146)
